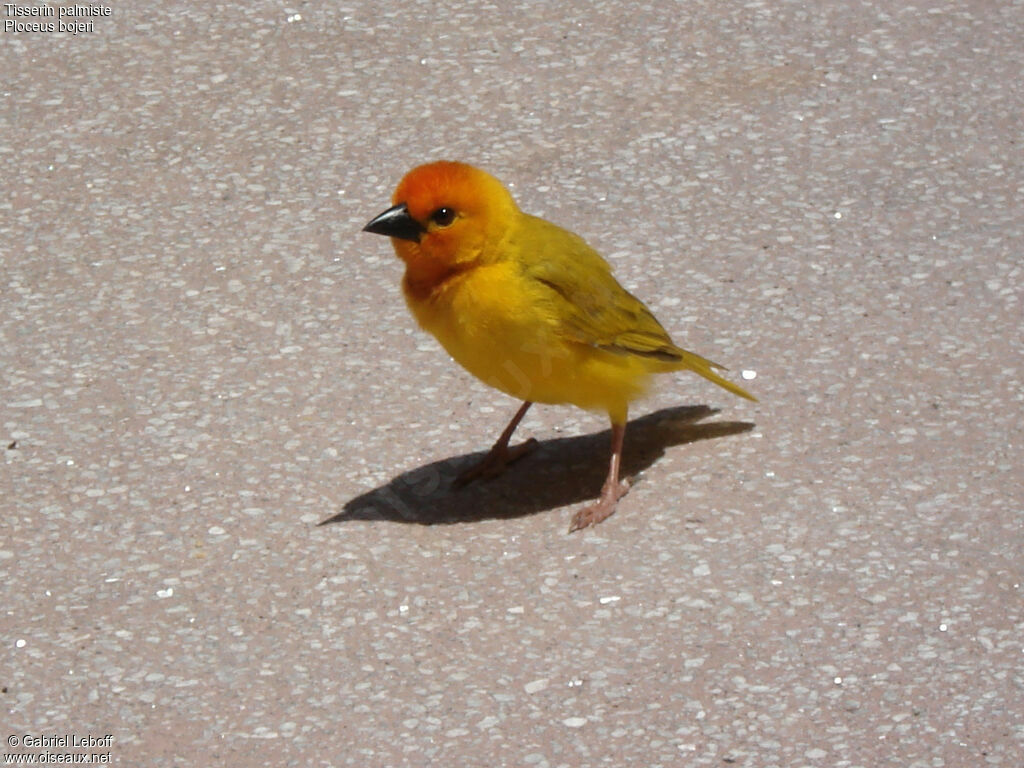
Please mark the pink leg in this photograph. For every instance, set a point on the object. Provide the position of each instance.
(500, 455)
(611, 492)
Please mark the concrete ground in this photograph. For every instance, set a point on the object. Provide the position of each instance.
(202, 358)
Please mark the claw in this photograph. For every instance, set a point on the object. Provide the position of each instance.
(500, 455)
(495, 462)
(601, 509)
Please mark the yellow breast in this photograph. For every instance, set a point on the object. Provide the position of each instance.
(503, 329)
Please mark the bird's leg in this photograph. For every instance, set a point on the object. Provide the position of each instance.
(500, 455)
(611, 492)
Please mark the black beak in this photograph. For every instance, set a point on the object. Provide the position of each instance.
(396, 222)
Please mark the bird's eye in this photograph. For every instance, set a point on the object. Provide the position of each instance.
(443, 216)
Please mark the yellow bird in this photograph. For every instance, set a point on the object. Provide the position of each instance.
(528, 308)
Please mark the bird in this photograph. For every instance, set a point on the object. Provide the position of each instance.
(528, 308)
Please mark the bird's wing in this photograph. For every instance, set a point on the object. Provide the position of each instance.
(590, 305)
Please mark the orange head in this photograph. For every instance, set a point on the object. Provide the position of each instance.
(446, 217)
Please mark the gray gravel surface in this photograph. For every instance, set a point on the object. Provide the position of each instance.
(202, 358)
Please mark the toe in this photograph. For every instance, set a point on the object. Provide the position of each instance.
(592, 515)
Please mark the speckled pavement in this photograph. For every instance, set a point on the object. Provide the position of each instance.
(202, 358)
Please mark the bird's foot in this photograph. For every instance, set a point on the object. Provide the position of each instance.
(495, 462)
(602, 508)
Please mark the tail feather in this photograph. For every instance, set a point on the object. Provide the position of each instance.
(700, 365)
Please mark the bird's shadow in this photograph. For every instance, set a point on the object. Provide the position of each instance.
(560, 472)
